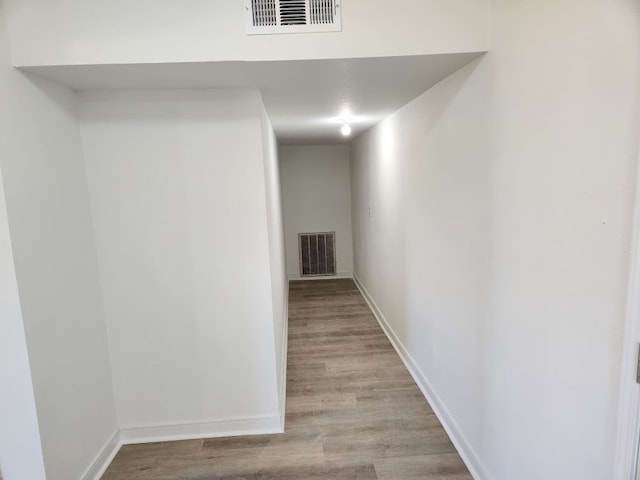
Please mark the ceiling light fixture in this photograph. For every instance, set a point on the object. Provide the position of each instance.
(345, 130)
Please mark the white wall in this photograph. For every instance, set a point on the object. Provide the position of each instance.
(178, 195)
(20, 447)
(150, 31)
(56, 270)
(498, 243)
(317, 198)
(277, 255)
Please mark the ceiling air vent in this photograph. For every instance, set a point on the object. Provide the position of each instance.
(292, 16)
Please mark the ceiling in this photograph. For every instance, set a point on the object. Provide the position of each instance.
(307, 101)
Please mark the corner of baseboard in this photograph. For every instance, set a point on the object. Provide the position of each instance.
(104, 458)
(464, 448)
(261, 425)
(229, 427)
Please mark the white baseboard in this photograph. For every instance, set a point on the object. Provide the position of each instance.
(167, 433)
(232, 427)
(213, 429)
(104, 458)
(283, 365)
(468, 455)
(340, 275)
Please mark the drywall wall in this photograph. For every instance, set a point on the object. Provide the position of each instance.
(20, 447)
(151, 31)
(178, 196)
(56, 269)
(277, 255)
(20, 444)
(317, 198)
(498, 239)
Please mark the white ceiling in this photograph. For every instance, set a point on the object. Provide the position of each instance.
(308, 101)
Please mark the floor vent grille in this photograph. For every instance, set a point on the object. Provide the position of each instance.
(317, 254)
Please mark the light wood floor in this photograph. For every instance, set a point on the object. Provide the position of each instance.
(353, 411)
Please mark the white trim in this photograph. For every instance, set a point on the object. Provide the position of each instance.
(104, 458)
(466, 452)
(232, 427)
(283, 365)
(340, 275)
(628, 426)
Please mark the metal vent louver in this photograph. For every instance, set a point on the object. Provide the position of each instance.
(321, 12)
(293, 12)
(317, 254)
(263, 13)
(292, 16)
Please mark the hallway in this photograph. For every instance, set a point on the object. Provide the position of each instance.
(352, 412)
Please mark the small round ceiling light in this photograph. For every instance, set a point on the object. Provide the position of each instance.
(346, 130)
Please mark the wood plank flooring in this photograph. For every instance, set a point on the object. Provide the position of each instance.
(353, 412)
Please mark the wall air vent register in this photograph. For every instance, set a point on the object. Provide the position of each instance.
(292, 16)
(317, 254)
